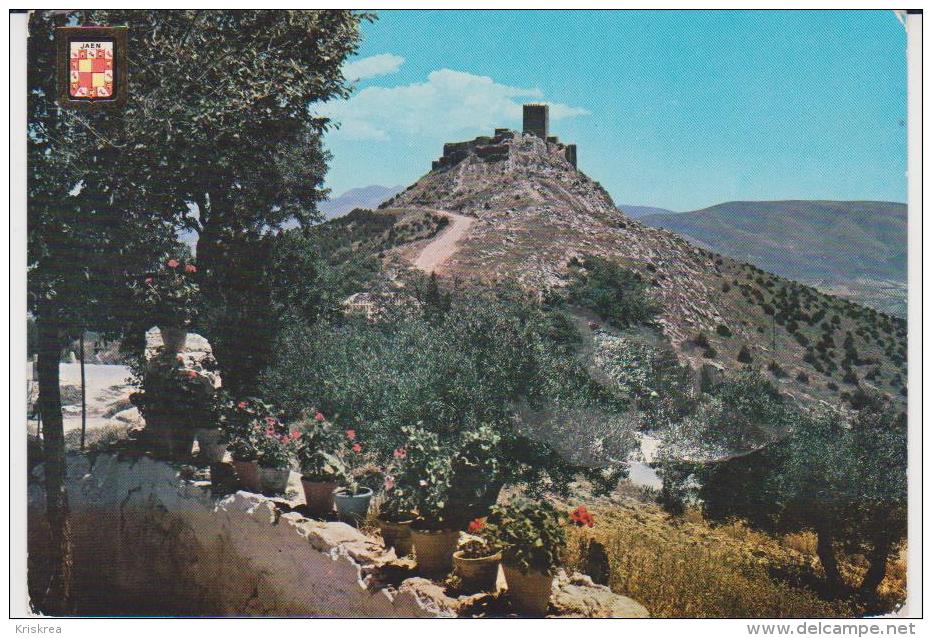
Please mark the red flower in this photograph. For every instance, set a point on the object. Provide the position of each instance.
(149, 280)
(357, 448)
(295, 434)
(351, 435)
(319, 416)
(192, 374)
(285, 440)
(400, 453)
(581, 517)
(172, 263)
(475, 525)
(241, 405)
(190, 269)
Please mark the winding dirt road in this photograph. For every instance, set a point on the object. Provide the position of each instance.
(443, 245)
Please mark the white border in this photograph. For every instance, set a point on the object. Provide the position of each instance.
(374, 627)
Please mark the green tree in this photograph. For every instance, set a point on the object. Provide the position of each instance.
(844, 481)
(215, 137)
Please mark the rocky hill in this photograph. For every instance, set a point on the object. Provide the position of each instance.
(534, 213)
(850, 248)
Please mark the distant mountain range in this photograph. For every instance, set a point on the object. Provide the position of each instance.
(364, 197)
(638, 212)
(850, 248)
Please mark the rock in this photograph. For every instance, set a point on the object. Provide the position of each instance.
(576, 596)
(430, 596)
(325, 537)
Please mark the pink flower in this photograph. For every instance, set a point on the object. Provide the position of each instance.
(357, 448)
(241, 405)
(270, 420)
(295, 434)
(179, 358)
(400, 453)
(351, 435)
(285, 440)
(190, 269)
(319, 416)
(172, 263)
(192, 374)
(389, 483)
(149, 280)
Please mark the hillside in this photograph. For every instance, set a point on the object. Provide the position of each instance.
(852, 249)
(535, 213)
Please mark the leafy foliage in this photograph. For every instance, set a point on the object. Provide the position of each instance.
(617, 294)
(169, 296)
(172, 389)
(530, 534)
(317, 450)
(483, 361)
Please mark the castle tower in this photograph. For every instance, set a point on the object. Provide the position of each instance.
(537, 120)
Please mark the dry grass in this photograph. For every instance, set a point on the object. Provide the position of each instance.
(682, 567)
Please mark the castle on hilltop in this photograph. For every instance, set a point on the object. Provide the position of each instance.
(491, 149)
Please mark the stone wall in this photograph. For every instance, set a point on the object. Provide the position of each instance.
(147, 542)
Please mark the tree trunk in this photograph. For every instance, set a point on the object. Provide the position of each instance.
(825, 548)
(877, 559)
(58, 593)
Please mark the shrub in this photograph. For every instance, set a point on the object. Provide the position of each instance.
(802, 377)
(723, 330)
(776, 370)
(175, 390)
(530, 534)
(701, 340)
(744, 355)
(477, 364)
(710, 353)
(615, 293)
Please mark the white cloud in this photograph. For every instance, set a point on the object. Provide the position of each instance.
(372, 66)
(448, 103)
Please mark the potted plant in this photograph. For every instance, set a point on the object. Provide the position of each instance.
(476, 562)
(352, 498)
(396, 509)
(322, 470)
(428, 470)
(531, 536)
(477, 474)
(170, 296)
(273, 456)
(240, 427)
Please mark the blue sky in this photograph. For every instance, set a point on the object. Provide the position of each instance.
(677, 109)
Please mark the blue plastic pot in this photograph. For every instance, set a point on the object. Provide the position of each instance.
(353, 507)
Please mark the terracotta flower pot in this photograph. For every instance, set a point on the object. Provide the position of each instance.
(208, 442)
(173, 338)
(248, 474)
(434, 549)
(273, 480)
(319, 496)
(529, 593)
(397, 535)
(477, 574)
(353, 507)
